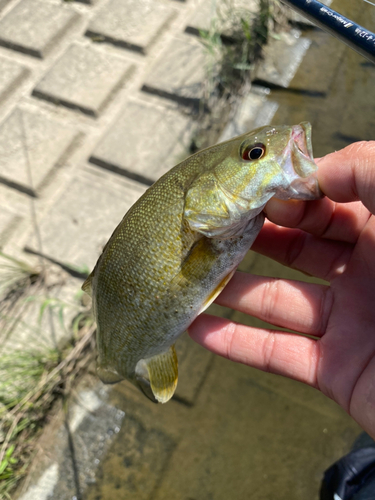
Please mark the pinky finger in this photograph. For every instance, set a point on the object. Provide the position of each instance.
(282, 353)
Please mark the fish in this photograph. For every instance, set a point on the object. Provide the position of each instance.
(179, 245)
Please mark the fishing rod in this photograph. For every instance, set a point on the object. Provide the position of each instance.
(358, 38)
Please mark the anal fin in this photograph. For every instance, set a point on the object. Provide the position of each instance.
(160, 373)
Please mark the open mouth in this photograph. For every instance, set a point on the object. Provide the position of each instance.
(301, 136)
(300, 148)
(298, 166)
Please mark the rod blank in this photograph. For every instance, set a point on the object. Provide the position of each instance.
(358, 38)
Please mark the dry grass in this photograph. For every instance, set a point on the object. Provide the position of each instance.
(33, 380)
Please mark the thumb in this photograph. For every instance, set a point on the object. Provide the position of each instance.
(349, 174)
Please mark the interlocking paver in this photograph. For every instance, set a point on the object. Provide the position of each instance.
(84, 78)
(11, 75)
(133, 24)
(31, 139)
(179, 73)
(3, 3)
(33, 27)
(84, 217)
(145, 156)
(8, 224)
(254, 111)
(282, 59)
(220, 16)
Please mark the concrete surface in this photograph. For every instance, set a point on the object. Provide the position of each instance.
(84, 78)
(165, 138)
(134, 24)
(34, 27)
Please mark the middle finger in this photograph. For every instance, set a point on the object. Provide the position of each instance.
(299, 250)
(298, 306)
(323, 218)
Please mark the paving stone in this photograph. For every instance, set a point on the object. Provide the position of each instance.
(254, 111)
(84, 78)
(33, 27)
(133, 24)
(77, 227)
(30, 139)
(72, 452)
(282, 58)
(11, 76)
(145, 152)
(8, 224)
(179, 73)
(220, 16)
(193, 365)
(4, 3)
(317, 78)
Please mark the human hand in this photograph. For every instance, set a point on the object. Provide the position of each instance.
(333, 239)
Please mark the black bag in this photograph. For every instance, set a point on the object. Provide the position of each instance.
(352, 477)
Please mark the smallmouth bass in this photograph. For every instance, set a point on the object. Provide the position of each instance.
(181, 242)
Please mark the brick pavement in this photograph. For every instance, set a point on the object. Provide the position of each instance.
(93, 82)
(93, 90)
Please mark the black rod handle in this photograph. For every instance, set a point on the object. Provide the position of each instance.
(358, 38)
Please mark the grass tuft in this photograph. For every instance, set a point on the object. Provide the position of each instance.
(234, 44)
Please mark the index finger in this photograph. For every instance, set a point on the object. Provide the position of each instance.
(349, 174)
(344, 176)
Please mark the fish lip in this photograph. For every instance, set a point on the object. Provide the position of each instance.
(298, 165)
(301, 137)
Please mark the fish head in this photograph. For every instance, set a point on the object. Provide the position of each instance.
(271, 161)
(267, 162)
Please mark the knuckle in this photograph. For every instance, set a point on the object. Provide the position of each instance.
(270, 299)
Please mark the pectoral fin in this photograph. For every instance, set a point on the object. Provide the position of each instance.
(108, 376)
(157, 376)
(217, 291)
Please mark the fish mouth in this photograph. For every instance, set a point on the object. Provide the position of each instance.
(301, 140)
(298, 165)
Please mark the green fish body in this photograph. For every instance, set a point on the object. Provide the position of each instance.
(179, 245)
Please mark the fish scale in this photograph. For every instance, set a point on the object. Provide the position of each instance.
(180, 243)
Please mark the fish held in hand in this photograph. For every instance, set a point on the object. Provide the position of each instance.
(181, 242)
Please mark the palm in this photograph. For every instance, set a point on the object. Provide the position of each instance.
(335, 242)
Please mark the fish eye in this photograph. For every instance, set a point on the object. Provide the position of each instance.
(254, 152)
